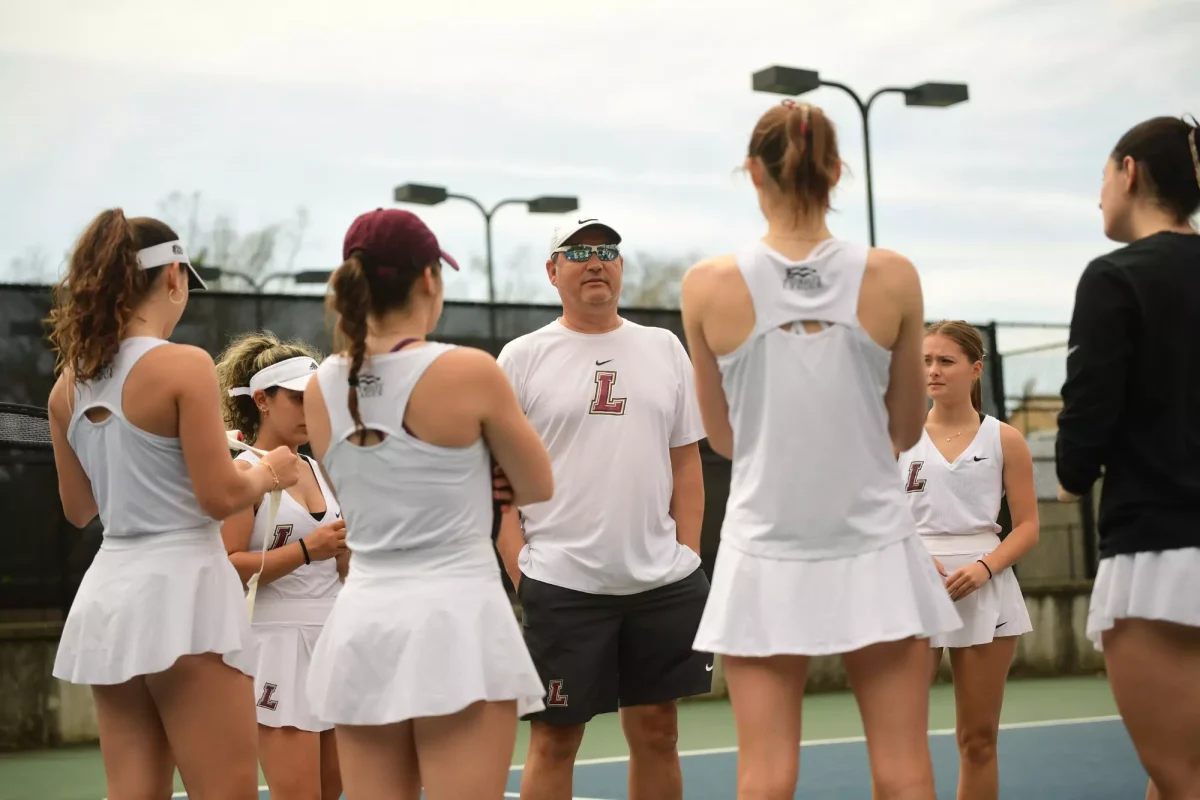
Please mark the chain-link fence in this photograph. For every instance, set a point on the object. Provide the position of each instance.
(1035, 363)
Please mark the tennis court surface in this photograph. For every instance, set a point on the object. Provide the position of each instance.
(1060, 740)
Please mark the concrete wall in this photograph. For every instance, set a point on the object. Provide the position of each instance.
(39, 711)
(1060, 552)
(36, 709)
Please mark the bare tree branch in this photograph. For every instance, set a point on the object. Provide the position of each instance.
(523, 277)
(653, 281)
(219, 244)
(32, 267)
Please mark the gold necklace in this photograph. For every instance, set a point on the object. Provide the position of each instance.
(955, 436)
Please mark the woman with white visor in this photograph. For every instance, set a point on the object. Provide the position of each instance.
(158, 627)
(303, 557)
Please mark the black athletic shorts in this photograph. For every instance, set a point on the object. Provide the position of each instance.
(596, 653)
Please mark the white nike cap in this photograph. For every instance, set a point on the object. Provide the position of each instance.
(569, 229)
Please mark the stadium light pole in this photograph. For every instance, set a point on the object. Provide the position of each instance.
(793, 82)
(432, 195)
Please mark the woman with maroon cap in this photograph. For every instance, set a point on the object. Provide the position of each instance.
(421, 665)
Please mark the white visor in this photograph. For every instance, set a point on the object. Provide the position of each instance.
(292, 374)
(170, 253)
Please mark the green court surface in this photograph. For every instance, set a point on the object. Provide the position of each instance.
(1060, 740)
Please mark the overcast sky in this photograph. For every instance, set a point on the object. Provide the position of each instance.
(642, 108)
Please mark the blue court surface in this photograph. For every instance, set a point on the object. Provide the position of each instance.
(1081, 759)
(1057, 760)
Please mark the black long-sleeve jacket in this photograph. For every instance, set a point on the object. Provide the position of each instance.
(1131, 401)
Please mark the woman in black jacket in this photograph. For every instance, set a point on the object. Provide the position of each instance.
(1131, 406)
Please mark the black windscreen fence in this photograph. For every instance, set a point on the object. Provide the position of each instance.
(43, 557)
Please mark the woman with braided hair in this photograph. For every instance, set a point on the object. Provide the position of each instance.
(421, 665)
(1131, 407)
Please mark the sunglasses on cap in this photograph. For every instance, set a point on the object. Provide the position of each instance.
(580, 253)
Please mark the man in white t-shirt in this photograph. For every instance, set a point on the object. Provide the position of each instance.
(608, 570)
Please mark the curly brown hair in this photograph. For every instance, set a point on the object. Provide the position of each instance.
(95, 300)
(246, 355)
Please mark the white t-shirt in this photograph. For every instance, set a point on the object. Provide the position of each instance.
(609, 407)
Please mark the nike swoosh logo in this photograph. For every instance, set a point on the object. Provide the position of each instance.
(602, 363)
(1072, 350)
(1001, 625)
(984, 458)
(708, 667)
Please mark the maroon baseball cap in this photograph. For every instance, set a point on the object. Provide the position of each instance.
(393, 236)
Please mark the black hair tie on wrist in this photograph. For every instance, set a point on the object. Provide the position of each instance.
(985, 566)
(307, 560)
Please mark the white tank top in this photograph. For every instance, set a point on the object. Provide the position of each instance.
(955, 504)
(415, 508)
(813, 469)
(139, 479)
(312, 586)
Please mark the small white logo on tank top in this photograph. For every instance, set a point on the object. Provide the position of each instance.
(370, 385)
(802, 278)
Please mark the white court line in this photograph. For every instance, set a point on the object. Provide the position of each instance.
(506, 794)
(715, 751)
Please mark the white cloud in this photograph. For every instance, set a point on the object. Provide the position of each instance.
(640, 107)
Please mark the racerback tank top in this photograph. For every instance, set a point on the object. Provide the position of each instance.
(139, 479)
(316, 581)
(813, 469)
(956, 504)
(425, 510)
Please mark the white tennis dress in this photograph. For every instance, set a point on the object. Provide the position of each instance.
(161, 585)
(289, 612)
(955, 505)
(1153, 584)
(422, 626)
(819, 553)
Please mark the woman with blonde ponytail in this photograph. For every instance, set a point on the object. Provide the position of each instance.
(807, 354)
(262, 387)
(955, 477)
(158, 627)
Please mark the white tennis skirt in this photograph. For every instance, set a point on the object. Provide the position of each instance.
(760, 607)
(398, 648)
(995, 609)
(1158, 585)
(286, 631)
(147, 600)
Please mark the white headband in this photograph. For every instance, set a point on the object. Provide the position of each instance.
(290, 374)
(162, 254)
